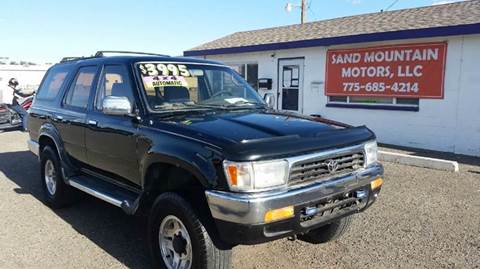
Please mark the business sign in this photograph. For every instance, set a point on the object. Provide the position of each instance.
(414, 71)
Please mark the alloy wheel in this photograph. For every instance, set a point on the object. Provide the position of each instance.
(175, 244)
(50, 177)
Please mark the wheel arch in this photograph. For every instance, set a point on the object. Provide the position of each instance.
(165, 177)
(202, 169)
(170, 176)
(50, 138)
(49, 135)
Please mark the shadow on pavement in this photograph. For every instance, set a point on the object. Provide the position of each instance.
(9, 129)
(462, 159)
(120, 235)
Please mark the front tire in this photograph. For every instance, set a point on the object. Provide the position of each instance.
(178, 239)
(329, 232)
(57, 194)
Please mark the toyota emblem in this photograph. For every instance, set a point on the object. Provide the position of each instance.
(332, 165)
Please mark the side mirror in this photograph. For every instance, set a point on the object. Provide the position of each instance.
(117, 105)
(268, 98)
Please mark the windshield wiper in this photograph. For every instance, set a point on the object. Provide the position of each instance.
(180, 108)
(179, 112)
(176, 108)
(243, 104)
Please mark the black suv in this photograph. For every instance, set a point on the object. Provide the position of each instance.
(192, 144)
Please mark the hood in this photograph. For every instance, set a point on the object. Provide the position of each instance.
(251, 135)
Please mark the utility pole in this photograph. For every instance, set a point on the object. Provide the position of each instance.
(304, 11)
(303, 6)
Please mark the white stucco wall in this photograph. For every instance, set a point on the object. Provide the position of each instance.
(451, 124)
(29, 77)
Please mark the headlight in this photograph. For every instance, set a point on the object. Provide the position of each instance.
(371, 153)
(255, 176)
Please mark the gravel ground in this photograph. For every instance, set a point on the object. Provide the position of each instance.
(423, 219)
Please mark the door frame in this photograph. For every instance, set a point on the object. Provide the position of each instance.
(300, 94)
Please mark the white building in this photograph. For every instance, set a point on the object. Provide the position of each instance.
(29, 76)
(410, 75)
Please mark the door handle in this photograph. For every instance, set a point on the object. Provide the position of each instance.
(92, 122)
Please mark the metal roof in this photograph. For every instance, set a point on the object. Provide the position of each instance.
(437, 20)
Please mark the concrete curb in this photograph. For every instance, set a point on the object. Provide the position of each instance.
(425, 162)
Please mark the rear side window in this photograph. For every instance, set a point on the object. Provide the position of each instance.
(52, 83)
(80, 90)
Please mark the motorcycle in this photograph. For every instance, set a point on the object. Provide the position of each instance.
(9, 119)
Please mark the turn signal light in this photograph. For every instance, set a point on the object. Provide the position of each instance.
(279, 214)
(376, 183)
(232, 172)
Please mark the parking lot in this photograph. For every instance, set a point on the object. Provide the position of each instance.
(423, 219)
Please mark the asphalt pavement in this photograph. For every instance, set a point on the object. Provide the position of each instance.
(423, 219)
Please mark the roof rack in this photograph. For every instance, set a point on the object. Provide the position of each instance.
(101, 53)
(70, 59)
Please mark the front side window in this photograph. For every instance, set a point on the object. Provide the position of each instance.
(52, 83)
(113, 82)
(178, 86)
(79, 91)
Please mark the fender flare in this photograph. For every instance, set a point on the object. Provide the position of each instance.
(199, 166)
(49, 130)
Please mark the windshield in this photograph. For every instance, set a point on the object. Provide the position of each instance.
(172, 86)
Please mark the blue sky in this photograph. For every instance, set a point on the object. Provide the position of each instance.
(46, 31)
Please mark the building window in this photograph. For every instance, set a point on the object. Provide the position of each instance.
(248, 71)
(387, 103)
(407, 101)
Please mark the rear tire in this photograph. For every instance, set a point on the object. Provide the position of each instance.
(175, 232)
(329, 232)
(57, 194)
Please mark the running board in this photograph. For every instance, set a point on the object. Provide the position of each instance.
(112, 194)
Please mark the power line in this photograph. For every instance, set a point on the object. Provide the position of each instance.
(391, 5)
(310, 9)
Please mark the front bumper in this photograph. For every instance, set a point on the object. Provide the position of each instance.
(240, 216)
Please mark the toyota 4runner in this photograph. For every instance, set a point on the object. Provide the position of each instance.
(192, 144)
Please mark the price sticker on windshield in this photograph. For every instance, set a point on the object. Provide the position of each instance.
(165, 81)
(156, 69)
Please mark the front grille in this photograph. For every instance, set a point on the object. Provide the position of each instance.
(317, 169)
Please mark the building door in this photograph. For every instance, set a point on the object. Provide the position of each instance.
(290, 86)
